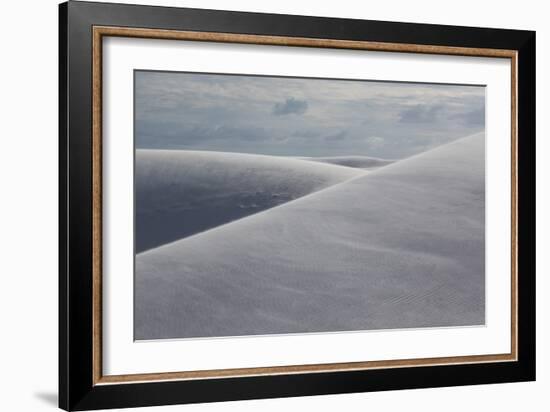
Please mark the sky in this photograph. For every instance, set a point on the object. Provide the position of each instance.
(288, 116)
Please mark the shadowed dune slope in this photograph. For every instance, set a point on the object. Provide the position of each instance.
(400, 247)
(362, 162)
(180, 193)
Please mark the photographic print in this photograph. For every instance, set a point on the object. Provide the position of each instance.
(277, 205)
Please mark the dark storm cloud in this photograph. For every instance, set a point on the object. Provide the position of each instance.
(290, 106)
(301, 117)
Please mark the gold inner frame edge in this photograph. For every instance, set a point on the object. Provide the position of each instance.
(98, 32)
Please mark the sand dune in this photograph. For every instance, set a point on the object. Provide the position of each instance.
(362, 162)
(399, 247)
(180, 193)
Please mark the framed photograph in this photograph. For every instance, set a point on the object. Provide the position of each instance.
(256, 205)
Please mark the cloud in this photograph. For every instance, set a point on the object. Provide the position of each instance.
(473, 117)
(375, 141)
(306, 133)
(301, 117)
(182, 136)
(420, 114)
(290, 106)
(336, 136)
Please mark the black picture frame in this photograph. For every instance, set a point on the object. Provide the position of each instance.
(77, 390)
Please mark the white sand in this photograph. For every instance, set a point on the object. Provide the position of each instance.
(399, 247)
